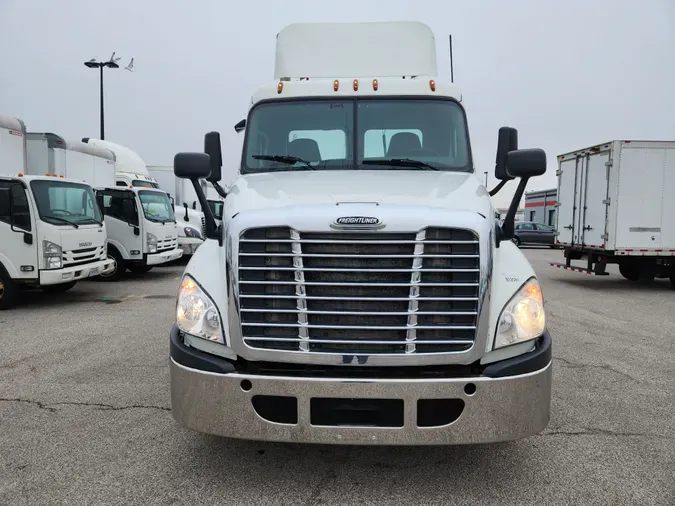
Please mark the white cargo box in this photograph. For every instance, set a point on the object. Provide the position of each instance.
(50, 154)
(617, 196)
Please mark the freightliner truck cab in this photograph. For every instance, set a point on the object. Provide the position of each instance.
(359, 289)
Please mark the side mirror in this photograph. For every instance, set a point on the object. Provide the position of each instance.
(99, 202)
(5, 206)
(240, 126)
(191, 165)
(507, 141)
(526, 163)
(213, 149)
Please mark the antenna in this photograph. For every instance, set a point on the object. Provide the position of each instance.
(130, 67)
(452, 73)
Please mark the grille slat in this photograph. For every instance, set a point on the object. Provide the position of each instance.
(359, 292)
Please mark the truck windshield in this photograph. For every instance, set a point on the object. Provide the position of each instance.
(61, 202)
(216, 208)
(156, 206)
(144, 184)
(361, 134)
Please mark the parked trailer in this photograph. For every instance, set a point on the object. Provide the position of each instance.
(614, 207)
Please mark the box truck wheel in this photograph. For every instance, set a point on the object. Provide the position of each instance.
(8, 290)
(119, 266)
(629, 270)
(60, 288)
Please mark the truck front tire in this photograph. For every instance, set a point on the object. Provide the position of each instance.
(119, 266)
(8, 290)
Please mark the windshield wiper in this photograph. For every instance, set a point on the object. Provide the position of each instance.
(62, 220)
(284, 159)
(402, 162)
(91, 220)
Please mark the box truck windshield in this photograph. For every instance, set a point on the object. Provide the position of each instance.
(157, 206)
(65, 202)
(363, 133)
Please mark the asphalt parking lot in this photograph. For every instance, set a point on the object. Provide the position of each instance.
(85, 413)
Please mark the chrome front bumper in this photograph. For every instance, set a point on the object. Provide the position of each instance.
(221, 403)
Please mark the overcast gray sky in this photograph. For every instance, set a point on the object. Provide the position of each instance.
(567, 74)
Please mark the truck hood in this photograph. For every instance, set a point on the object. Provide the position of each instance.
(446, 190)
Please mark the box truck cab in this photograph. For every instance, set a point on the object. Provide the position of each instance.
(131, 172)
(143, 232)
(52, 232)
(360, 290)
(190, 220)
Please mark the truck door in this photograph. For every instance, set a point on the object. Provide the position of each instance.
(567, 196)
(595, 188)
(18, 243)
(122, 222)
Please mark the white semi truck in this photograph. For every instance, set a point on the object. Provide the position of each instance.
(52, 233)
(360, 290)
(131, 171)
(614, 207)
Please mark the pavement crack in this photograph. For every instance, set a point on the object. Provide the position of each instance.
(585, 431)
(577, 365)
(51, 407)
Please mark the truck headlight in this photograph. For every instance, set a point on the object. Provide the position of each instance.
(523, 318)
(196, 314)
(192, 232)
(52, 255)
(152, 242)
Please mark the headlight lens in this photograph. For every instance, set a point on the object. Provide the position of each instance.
(52, 254)
(196, 314)
(192, 232)
(523, 318)
(152, 242)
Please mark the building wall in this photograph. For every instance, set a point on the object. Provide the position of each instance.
(540, 206)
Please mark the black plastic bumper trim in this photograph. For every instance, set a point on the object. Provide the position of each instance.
(530, 362)
(195, 359)
(533, 361)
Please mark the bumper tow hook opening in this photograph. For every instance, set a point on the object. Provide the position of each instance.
(470, 389)
(246, 385)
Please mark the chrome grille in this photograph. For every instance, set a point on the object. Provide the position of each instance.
(83, 256)
(359, 292)
(167, 244)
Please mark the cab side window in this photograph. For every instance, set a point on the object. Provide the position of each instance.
(20, 217)
(120, 206)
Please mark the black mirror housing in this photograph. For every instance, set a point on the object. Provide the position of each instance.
(241, 126)
(5, 205)
(191, 165)
(526, 163)
(213, 149)
(507, 141)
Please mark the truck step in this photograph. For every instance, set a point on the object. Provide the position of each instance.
(577, 269)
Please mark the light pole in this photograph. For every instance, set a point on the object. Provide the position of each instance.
(483, 173)
(93, 64)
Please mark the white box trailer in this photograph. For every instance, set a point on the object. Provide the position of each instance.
(614, 206)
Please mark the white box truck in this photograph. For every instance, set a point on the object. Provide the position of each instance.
(189, 218)
(360, 290)
(52, 232)
(614, 207)
(141, 232)
(132, 172)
